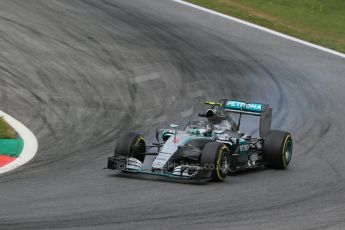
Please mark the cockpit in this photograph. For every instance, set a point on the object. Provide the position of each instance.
(200, 128)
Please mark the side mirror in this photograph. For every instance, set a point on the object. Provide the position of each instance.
(217, 131)
(173, 126)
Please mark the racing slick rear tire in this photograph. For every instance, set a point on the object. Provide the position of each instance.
(216, 157)
(131, 145)
(277, 149)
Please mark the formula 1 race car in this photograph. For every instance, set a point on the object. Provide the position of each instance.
(207, 149)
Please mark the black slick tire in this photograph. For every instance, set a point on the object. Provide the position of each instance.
(131, 145)
(216, 158)
(277, 149)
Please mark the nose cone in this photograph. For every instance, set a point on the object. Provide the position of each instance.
(168, 150)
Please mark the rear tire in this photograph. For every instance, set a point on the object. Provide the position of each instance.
(131, 145)
(277, 149)
(216, 157)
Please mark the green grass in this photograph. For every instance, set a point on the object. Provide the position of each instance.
(6, 131)
(318, 21)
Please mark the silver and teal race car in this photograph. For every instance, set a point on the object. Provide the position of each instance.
(207, 149)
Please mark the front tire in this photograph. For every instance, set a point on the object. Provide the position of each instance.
(216, 157)
(131, 145)
(277, 149)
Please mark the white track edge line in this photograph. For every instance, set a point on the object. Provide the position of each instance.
(262, 28)
(30, 143)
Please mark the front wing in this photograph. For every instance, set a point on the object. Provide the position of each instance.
(131, 165)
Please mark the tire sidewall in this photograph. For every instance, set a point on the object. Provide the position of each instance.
(287, 142)
(221, 153)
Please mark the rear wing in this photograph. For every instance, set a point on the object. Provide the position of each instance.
(264, 111)
(256, 109)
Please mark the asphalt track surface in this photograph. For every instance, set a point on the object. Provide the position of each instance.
(79, 73)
